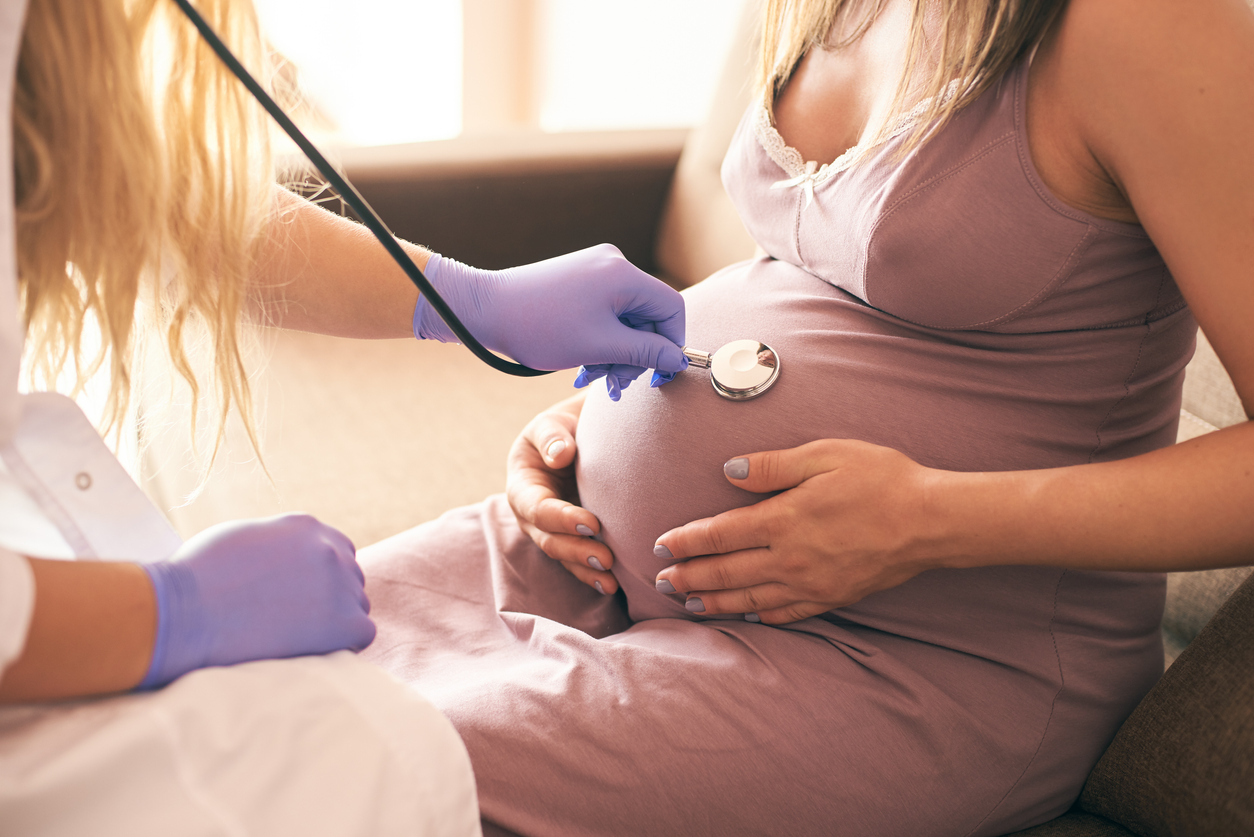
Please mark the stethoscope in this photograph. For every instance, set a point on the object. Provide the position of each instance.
(741, 370)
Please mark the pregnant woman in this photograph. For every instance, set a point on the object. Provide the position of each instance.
(929, 609)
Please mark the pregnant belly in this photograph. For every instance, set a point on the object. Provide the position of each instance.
(654, 460)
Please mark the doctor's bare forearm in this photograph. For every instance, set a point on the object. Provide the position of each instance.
(1179, 508)
(323, 273)
(92, 632)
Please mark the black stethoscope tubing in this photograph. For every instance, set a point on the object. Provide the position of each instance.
(353, 198)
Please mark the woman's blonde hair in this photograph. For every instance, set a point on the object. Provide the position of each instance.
(977, 42)
(142, 173)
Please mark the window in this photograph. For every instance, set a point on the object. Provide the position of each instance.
(391, 71)
(638, 64)
(380, 71)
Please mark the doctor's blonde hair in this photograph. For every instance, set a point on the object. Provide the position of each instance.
(142, 175)
(975, 43)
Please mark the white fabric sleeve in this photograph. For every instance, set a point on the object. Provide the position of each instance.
(17, 603)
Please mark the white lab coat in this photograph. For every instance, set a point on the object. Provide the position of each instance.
(312, 746)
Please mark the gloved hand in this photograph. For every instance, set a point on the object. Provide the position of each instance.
(618, 377)
(284, 586)
(590, 307)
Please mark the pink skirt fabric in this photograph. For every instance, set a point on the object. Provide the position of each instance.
(581, 723)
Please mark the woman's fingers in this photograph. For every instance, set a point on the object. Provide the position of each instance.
(535, 495)
(748, 581)
(540, 487)
(736, 570)
(571, 548)
(776, 470)
(587, 559)
(551, 435)
(793, 612)
(839, 529)
(766, 602)
(552, 514)
(540, 476)
(744, 528)
(555, 444)
(603, 582)
(742, 582)
(564, 532)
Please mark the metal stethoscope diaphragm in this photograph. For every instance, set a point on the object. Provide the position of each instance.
(740, 370)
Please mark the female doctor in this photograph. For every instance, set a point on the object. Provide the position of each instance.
(149, 207)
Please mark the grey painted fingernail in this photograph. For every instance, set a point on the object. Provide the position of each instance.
(695, 605)
(586, 531)
(737, 468)
(595, 564)
(752, 617)
(600, 589)
(662, 552)
(555, 447)
(664, 586)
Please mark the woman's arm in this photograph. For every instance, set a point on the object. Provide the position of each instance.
(856, 518)
(320, 272)
(1162, 97)
(91, 632)
(1159, 104)
(283, 586)
(542, 493)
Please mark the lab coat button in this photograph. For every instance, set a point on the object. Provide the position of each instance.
(83, 480)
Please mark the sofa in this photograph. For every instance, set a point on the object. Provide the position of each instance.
(375, 437)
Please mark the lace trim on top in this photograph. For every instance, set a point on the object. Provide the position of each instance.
(808, 173)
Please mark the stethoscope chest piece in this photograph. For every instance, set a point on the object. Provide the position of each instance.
(740, 370)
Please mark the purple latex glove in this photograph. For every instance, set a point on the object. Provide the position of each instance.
(284, 586)
(590, 307)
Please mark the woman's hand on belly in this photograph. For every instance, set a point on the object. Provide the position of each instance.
(850, 521)
(541, 488)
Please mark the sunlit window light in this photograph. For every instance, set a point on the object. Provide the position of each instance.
(640, 64)
(390, 71)
(380, 71)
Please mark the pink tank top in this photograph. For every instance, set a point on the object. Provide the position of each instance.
(945, 305)
(962, 235)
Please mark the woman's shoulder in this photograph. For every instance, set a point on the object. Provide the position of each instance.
(1147, 48)
(1145, 79)
(1122, 87)
(1160, 93)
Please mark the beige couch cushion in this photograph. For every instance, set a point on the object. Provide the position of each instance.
(1210, 400)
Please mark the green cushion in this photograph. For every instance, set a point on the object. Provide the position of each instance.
(1183, 763)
